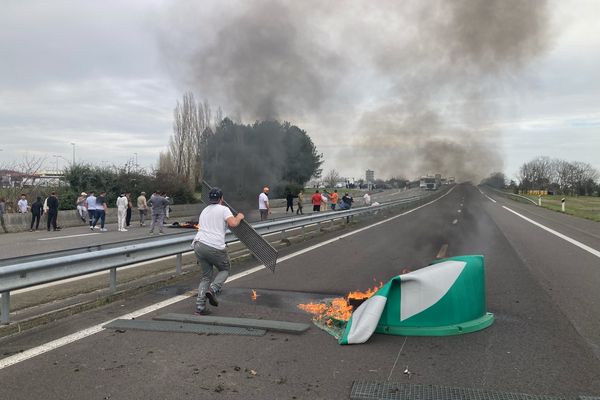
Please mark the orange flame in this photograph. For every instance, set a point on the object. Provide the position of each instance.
(337, 309)
(253, 296)
(364, 295)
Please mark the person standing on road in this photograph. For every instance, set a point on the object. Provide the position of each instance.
(316, 201)
(334, 199)
(80, 202)
(121, 212)
(209, 247)
(90, 205)
(22, 204)
(2, 211)
(129, 206)
(52, 203)
(36, 213)
(300, 202)
(101, 208)
(167, 205)
(367, 199)
(158, 204)
(142, 207)
(263, 204)
(289, 199)
(346, 202)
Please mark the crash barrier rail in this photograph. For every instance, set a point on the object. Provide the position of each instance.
(37, 271)
(503, 193)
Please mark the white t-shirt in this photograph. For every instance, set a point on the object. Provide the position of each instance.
(263, 200)
(213, 226)
(91, 202)
(22, 204)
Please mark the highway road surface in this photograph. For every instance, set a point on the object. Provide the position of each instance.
(542, 280)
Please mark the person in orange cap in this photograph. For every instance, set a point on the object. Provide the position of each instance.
(263, 204)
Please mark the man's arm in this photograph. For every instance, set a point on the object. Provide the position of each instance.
(232, 221)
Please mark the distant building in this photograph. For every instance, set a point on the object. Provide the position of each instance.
(370, 176)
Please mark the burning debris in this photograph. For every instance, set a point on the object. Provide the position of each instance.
(331, 315)
(254, 296)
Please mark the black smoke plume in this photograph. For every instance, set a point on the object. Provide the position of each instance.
(401, 87)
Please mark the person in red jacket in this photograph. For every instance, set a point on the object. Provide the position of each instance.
(316, 201)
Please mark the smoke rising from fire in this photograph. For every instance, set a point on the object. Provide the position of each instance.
(403, 88)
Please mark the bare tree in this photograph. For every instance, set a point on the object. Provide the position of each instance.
(331, 178)
(186, 131)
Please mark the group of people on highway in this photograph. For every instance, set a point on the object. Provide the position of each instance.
(92, 209)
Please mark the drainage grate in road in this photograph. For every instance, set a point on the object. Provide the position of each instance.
(366, 390)
(168, 326)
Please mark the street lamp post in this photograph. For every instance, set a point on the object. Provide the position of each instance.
(73, 144)
(56, 158)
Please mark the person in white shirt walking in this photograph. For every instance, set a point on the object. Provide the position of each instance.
(209, 246)
(122, 202)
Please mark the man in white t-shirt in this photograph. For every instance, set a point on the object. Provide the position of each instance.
(22, 204)
(263, 204)
(209, 246)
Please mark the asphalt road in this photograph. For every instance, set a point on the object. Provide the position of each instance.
(541, 288)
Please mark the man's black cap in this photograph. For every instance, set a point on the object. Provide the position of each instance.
(215, 195)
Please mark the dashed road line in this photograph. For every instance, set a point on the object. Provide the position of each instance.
(70, 236)
(454, 222)
(443, 251)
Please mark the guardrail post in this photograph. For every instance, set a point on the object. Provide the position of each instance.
(562, 203)
(178, 264)
(113, 279)
(5, 309)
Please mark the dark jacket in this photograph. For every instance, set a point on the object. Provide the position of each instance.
(36, 208)
(52, 203)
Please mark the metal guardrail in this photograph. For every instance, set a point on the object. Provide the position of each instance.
(503, 193)
(33, 271)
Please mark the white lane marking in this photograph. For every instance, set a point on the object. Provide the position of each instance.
(454, 222)
(70, 236)
(560, 235)
(459, 211)
(36, 351)
(489, 198)
(77, 278)
(443, 251)
(55, 344)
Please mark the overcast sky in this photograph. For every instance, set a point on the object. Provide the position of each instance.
(106, 77)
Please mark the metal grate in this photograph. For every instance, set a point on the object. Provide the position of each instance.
(168, 326)
(365, 390)
(247, 235)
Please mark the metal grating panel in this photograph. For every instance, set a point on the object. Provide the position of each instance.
(366, 390)
(247, 235)
(279, 326)
(168, 326)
